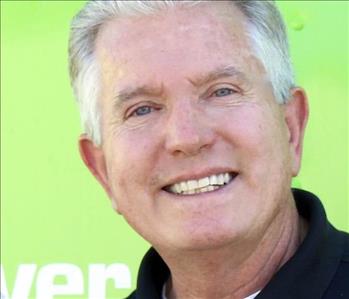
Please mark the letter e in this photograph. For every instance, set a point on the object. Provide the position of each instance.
(99, 273)
(45, 287)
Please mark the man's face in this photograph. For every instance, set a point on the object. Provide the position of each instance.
(185, 103)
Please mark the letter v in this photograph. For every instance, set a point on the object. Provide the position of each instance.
(23, 282)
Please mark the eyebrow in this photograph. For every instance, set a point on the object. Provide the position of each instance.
(221, 72)
(127, 94)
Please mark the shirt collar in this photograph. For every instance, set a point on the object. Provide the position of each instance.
(306, 275)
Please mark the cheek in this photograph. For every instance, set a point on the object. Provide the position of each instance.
(131, 160)
(257, 137)
(245, 127)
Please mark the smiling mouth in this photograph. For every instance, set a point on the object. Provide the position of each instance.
(203, 185)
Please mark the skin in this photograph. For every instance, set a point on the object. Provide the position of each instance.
(223, 244)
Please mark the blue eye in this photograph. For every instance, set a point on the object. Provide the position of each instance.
(143, 110)
(222, 92)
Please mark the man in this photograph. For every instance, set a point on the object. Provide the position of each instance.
(194, 127)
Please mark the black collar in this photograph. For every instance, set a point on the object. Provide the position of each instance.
(309, 272)
(306, 275)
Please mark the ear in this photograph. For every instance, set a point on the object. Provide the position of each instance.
(296, 116)
(94, 159)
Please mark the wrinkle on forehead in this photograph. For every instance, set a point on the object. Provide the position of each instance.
(140, 40)
(176, 21)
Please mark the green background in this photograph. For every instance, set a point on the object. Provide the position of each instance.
(52, 209)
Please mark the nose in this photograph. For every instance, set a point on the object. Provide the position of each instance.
(188, 131)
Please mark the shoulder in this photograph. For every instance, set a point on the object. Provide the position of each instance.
(346, 247)
(341, 239)
(339, 286)
(131, 296)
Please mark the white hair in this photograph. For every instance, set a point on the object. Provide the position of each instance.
(265, 29)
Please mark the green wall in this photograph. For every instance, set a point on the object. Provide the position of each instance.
(53, 211)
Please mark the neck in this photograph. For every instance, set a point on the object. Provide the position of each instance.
(237, 270)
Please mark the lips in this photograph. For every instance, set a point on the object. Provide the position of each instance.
(201, 185)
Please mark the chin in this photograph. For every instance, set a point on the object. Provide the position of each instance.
(206, 238)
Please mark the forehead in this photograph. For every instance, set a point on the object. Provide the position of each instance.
(179, 40)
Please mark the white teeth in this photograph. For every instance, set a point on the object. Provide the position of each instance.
(204, 182)
(221, 179)
(226, 177)
(213, 180)
(210, 188)
(202, 185)
(183, 186)
(205, 189)
(174, 188)
(177, 188)
(192, 185)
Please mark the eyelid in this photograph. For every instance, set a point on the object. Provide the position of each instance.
(222, 85)
(231, 90)
(132, 109)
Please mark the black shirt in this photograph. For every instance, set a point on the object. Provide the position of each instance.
(318, 269)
